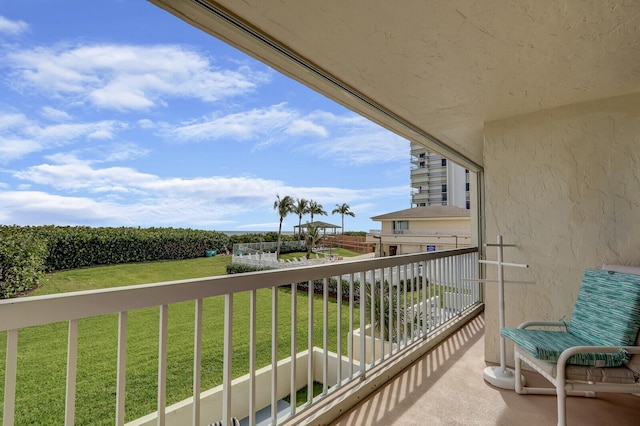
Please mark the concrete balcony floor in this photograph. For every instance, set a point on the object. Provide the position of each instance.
(446, 387)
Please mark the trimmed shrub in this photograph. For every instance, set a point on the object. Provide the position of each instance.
(239, 268)
(22, 260)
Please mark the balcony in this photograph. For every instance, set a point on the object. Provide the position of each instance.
(425, 296)
(446, 387)
(434, 360)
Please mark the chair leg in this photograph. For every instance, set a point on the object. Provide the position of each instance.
(561, 396)
(518, 372)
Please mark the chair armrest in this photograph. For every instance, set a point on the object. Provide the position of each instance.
(528, 324)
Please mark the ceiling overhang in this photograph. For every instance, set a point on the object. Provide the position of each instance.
(435, 71)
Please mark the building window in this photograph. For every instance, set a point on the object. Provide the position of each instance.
(399, 226)
(444, 197)
(423, 155)
(467, 186)
(422, 164)
(444, 188)
(444, 162)
(468, 204)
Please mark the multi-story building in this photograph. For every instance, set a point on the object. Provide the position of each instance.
(422, 229)
(436, 181)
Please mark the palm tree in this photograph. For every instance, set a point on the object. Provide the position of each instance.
(311, 238)
(315, 208)
(284, 206)
(301, 207)
(342, 210)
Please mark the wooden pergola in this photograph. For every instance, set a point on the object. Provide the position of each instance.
(318, 224)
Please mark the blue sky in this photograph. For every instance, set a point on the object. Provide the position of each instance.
(116, 113)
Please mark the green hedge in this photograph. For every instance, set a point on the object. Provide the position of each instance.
(239, 268)
(77, 247)
(27, 252)
(22, 260)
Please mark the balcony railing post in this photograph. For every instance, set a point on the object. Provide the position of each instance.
(72, 363)
(162, 364)
(252, 357)
(121, 372)
(363, 341)
(325, 336)
(10, 374)
(197, 362)
(294, 346)
(310, 327)
(274, 356)
(339, 334)
(227, 365)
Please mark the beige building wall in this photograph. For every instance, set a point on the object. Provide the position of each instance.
(564, 186)
(427, 231)
(435, 224)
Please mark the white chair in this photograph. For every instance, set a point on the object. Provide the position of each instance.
(597, 351)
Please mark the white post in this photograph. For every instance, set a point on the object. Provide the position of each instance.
(501, 376)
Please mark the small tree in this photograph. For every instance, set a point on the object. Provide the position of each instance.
(284, 206)
(311, 238)
(343, 210)
(386, 309)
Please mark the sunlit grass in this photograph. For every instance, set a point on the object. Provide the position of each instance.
(42, 349)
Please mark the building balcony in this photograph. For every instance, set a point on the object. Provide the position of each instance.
(446, 387)
(353, 375)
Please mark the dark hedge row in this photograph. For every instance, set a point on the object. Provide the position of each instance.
(27, 252)
(240, 268)
(77, 247)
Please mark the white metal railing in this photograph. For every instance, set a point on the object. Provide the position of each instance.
(387, 305)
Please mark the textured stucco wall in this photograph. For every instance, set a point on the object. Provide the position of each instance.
(564, 186)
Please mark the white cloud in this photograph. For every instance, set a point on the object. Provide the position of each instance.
(120, 152)
(359, 141)
(13, 148)
(87, 191)
(128, 77)
(20, 136)
(256, 124)
(12, 27)
(35, 207)
(372, 147)
(12, 121)
(54, 114)
(145, 123)
(306, 127)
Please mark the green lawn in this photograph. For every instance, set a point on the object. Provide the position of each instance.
(42, 350)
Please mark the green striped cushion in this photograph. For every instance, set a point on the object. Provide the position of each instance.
(606, 313)
(607, 310)
(548, 345)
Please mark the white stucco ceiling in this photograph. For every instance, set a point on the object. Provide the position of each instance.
(443, 68)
